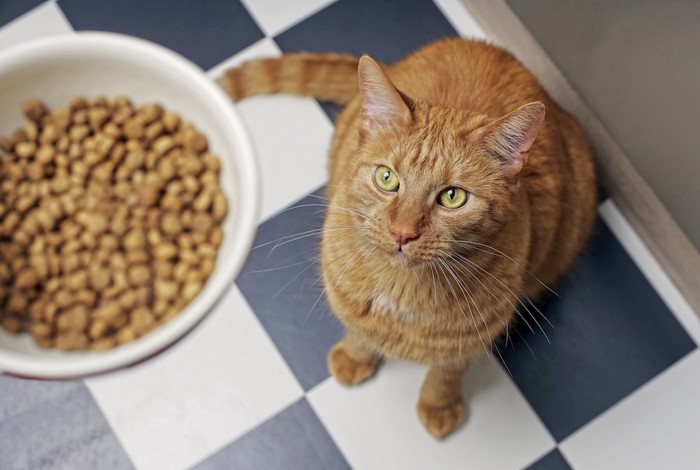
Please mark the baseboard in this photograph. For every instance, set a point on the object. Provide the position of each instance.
(632, 195)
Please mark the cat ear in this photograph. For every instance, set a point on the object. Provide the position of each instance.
(382, 107)
(511, 136)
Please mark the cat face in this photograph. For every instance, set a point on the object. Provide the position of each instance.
(425, 189)
(429, 182)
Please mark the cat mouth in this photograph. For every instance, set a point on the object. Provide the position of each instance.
(398, 252)
(403, 256)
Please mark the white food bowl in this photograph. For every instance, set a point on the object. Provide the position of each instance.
(56, 69)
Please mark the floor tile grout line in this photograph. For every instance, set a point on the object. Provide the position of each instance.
(272, 34)
(253, 16)
(446, 7)
(63, 14)
(237, 438)
(563, 456)
(651, 270)
(214, 71)
(118, 438)
(323, 422)
(527, 402)
(31, 11)
(234, 285)
(302, 398)
(640, 389)
(541, 456)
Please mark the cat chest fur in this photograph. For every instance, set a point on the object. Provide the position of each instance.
(431, 325)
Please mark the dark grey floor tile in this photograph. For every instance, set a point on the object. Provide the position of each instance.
(11, 9)
(602, 193)
(331, 109)
(388, 30)
(293, 439)
(611, 334)
(18, 396)
(281, 283)
(63, 429)
(205, 31)
(552, 461)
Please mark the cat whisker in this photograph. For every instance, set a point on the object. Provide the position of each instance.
(439, 271)
(337, 279)
(318, 299)
(467, 260)
(532, 353)
(465, 270)
(270, 242)
(432, 276)
(497, 252)
(538, 311)
(279, 268)
(282, 263)
(460, 285)
(505, 286)
(292, 280)
(307, 205)
(500, 356)
(301, 235)
(310, 263)
(507, 332)
(310, 232)
(336, 206)
(329, 206)
(506, 326)
(336, 239)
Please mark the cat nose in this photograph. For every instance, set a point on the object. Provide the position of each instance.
(403, 236)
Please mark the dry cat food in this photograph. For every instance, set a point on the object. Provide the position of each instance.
(110, 221)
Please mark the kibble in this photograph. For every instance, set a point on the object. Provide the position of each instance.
(110, 221)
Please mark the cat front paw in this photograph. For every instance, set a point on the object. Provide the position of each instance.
(440, 421)
(346, 370)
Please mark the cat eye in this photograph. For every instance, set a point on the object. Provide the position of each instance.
(453, 198)
(386, 179)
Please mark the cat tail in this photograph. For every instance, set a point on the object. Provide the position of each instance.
(327, 77)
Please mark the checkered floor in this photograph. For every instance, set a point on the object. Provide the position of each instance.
(613, 382)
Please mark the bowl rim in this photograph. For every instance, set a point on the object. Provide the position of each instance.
(166, 335)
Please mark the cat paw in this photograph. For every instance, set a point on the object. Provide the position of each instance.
(346, 370)
(441, 420)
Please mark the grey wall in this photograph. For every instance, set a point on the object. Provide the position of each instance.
(637, 64)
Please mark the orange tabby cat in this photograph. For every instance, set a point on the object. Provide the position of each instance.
(452, 199)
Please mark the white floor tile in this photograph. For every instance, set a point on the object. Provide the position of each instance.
(217, 384)
(651, 269)
(655, 427)
(265, 47)
(460, 18)
(291, 135)
(376, 425)
(274, 16)
(44, 20)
